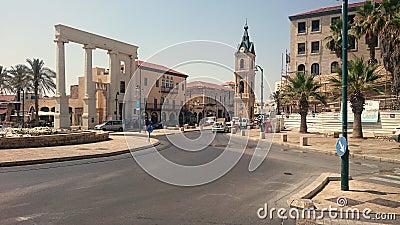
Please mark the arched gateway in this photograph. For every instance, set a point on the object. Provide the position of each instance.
(118, 52)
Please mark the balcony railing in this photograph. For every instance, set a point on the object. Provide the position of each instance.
(169, 90)
(152, 106)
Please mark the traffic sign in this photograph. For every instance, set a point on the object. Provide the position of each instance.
(341, 146)
(150, 128)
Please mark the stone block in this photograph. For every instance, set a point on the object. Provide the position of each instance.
(303, 141)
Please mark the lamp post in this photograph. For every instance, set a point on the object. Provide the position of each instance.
(262, 87)
(116, 105)
(344, 174)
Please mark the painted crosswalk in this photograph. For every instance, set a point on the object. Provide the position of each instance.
(392, 179)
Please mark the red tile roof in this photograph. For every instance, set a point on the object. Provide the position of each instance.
(7, 98)
(229, 83)
(157, 67)
(207, 85)
(332, 8)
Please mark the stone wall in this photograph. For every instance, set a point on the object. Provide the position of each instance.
(52, 140)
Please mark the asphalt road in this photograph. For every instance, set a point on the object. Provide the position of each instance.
(117, 190)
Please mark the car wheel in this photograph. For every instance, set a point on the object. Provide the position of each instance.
(120, 129)
(104, 129)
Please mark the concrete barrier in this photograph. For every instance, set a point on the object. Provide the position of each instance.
(284, 138)
(303, 141)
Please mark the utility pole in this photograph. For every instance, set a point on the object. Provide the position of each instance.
(344, 181)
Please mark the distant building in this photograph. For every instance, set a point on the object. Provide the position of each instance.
(207, 99)
(309, 53)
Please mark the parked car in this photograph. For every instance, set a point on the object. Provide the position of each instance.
(396, 134)
(220, 127)
(112, 125)
(209, 120)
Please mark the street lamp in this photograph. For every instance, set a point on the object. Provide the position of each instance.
(116, 105)
(262, 87)
(344, 174)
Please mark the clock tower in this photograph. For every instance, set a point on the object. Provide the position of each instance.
(245, 57)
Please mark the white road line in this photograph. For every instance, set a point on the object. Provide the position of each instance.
(385, 180)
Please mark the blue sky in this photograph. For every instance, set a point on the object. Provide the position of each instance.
(27, 31)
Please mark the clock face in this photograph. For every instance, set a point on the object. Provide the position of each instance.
(241, 49)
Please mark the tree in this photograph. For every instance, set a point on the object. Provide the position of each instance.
(42, 80)
(4, 80)
(364, 24)
(277, 97)
(361, 79)
(334, 41)
(301, 88)
(19, 81)
(387, 25)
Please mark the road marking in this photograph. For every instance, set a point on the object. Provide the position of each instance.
(385, 180)
(394, 177)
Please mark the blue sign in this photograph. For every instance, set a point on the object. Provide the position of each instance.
(341, 146)
(137, 105)
(150, 128)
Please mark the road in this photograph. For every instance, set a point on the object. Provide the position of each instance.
(117, 190)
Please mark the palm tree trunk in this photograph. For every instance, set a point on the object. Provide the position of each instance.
(18, 105)
(278, 105)
(36, 105)
(357, 126)
(303, 116)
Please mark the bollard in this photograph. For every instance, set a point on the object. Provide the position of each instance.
(233, 130)
(243, 133)
(262, 135)
(284, 138)
(303, 141)
(201, 127)
(335, 134)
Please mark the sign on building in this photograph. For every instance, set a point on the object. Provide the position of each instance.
(369, 115)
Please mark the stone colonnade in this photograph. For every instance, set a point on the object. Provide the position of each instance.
(118, 52)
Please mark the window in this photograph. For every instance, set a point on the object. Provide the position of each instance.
(301, 68)
(315, 69)
(334, 19)
(122, 87)
(351, 42)
(301, 48)
(162, 100)
(157, 83)
(315, 47)
(183, 86)
(177, 86)
(301, 28)
(173, 104)
(315, 25)
(145, 81)
(155, 103)
(334, 67)
(241, 63)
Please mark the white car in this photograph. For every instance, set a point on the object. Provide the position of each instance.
(220, 127)
(114, 125)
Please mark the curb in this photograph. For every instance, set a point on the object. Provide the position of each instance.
(72, 158)
(303, 200)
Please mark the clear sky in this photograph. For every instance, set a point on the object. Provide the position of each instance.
(27, 31)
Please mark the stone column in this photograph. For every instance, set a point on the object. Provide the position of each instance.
(89, 115)
(61, 116)
(114, 84)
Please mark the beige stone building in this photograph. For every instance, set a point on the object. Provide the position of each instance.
(309, 53)
(207, 99)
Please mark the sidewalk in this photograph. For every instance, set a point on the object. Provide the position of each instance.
(380, 193)
(116, 145)
(368, 148)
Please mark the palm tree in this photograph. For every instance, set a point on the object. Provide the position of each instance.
(334, 41)
(387, 25)
(4, 80)
(301, 88)
(20, 81)
(42, 78)
(361, 78)
(277, 97)
(364, 24)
